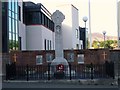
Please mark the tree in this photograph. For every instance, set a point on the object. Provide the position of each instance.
(110, 44)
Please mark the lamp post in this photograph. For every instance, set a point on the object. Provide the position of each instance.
(85, 20)
(104, 33)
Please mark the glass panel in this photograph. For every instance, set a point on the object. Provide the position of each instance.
(10, 44)
(9, 5)
(9, 13)
(16, 37)
(49, 57)
(13, 7)
(70, 57)
(16, 26)
(16, 16)
(13, 36)
(80, 58)
(10, 24)
(39, 59)
(13, 25)
(42, 19)
(16, 7)
(39, 17)
(10, 36)
(13, 15)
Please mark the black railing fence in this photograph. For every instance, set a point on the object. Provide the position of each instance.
(44, 72)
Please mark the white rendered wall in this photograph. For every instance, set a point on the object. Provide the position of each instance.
(48, 35)
(66, 25)
(22, 28)
(20, 3)
(75, 25)
(35, 35)
(22, 34)
(69, 25)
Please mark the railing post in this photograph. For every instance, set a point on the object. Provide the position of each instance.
(7, 73)
(70, 71)
(27, 72)
(91, 71)
(48, 71)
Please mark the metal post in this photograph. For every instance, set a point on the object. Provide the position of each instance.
(48, 71)
(27, 72)
(70, 71)
(91, 71)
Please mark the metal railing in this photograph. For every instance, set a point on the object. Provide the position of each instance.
(44, 72)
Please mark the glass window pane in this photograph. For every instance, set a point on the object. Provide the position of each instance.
(10, 38)
(13, 25)
(13, 7)
(16, 26)
(9, 13)
(13, 36)
(16, 37)
(10, 24)
(9, 5)
(16, 16)
(13, 15)
(16, 7)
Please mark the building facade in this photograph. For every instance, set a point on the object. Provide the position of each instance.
(70, 26)
(118, 14)
(28, 26)
(11, 23)
(39, 27)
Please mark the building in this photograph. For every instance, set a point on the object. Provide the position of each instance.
(39, 27)
(70, 26)
(28, 26)
(11, 23)
(82, 37)
(118, 14)
(17, 29)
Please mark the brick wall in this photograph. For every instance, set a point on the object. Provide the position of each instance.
(95, 56)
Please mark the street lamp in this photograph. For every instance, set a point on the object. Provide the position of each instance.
(85, 20)
(104, 33)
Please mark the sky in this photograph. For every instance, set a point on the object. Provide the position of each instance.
(103, 13)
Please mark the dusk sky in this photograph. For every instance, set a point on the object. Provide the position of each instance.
(103, 13)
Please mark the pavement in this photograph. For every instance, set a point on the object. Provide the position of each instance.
(57, 84)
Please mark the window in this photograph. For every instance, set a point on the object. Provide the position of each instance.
(77, 33)
(45, 44)
(40, 17)
(39, 59)
(70, 57)
(77, 46)
(49, 57)
(13, 25)
(43, 19)
(48, 44)
(80, 58)
(19, 13)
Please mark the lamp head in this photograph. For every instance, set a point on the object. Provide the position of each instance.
(85, 18)
(104, 32)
